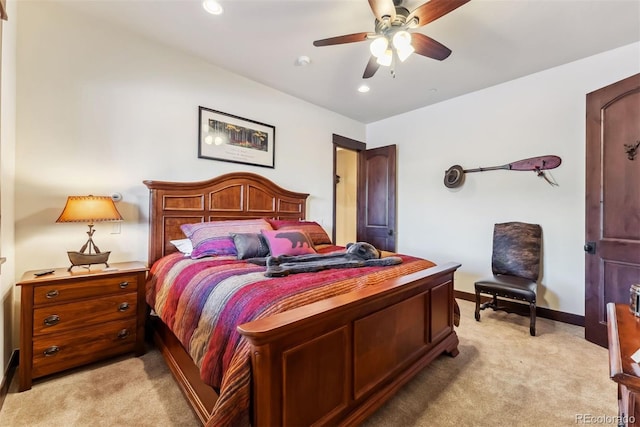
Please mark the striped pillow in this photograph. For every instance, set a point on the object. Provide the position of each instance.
(313, 229)
(214, 239)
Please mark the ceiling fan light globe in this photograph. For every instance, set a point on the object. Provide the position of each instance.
(212, 6)
(401, 39)
(386, 58)
(379, 46)
(405, 52)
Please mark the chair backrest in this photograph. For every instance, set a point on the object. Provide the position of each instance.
(516, 249)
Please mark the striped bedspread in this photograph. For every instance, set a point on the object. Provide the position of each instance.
(203, 301)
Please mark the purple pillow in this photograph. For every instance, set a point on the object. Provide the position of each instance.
(288, 242)
(213, 238)
(215, 246)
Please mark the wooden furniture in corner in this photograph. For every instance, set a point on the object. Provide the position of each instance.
(69, 319)
(372, 341)
(3, 11)
(624, 340)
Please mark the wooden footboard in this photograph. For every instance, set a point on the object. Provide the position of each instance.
(336, 361)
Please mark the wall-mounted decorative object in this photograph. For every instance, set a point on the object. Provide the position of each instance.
(454, 176)
(234, 139)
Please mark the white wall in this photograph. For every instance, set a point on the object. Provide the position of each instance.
(540, 114)
(101, 109)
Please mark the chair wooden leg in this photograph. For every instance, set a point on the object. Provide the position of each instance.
(532, 326)
(477, 313)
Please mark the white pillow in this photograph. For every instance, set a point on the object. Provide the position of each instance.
(183, 245)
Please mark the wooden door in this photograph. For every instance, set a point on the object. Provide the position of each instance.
(377, 197)
(612, 259)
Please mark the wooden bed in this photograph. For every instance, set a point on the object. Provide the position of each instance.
(333, 362)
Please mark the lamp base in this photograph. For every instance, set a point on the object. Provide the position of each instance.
(81, 259)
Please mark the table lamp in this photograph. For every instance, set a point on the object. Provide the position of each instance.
(89, 209)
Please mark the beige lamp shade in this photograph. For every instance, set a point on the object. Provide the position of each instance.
(89, 209)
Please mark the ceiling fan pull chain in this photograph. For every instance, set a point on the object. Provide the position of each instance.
(393, 66)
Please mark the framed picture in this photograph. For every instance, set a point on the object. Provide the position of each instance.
(234, 139)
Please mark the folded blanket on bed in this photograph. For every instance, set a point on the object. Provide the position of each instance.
(360, 254)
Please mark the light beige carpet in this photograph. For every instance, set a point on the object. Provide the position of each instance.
(502, 377)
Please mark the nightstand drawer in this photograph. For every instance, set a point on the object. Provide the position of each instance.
(84, 288)
(63, 317)
(56, 352)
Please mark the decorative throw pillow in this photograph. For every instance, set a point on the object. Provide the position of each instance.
(288, 242)
(250, 245)
(183, 245)
(313, 229)
(213, 238)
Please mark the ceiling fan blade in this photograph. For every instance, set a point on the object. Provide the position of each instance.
(371, 68)
(349, 38)
(426, 46)
(434, 9)
(382, 8)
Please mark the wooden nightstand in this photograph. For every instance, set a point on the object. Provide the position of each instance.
(73, 318)
(623, 330)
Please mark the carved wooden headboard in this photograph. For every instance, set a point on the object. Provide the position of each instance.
(238, 195)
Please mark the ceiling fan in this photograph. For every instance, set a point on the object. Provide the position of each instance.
(392, 38)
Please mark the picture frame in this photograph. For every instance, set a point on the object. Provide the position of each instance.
(229, 138)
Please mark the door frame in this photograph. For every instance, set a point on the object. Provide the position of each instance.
(349, 144)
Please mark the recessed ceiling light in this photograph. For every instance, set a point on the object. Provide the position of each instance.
(302, 61)
(364, 89)
(212, 6)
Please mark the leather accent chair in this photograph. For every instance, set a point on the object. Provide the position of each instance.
(515, 264)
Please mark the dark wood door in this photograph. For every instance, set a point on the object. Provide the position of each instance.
(612, 201)
(377, 197)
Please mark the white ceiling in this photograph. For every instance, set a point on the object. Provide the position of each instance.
(493, 41)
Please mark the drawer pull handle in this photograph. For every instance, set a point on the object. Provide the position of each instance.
(123, 307)
(124, 285)
(51, 351)
(51, 320)
(53, 293)
(123, 334)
